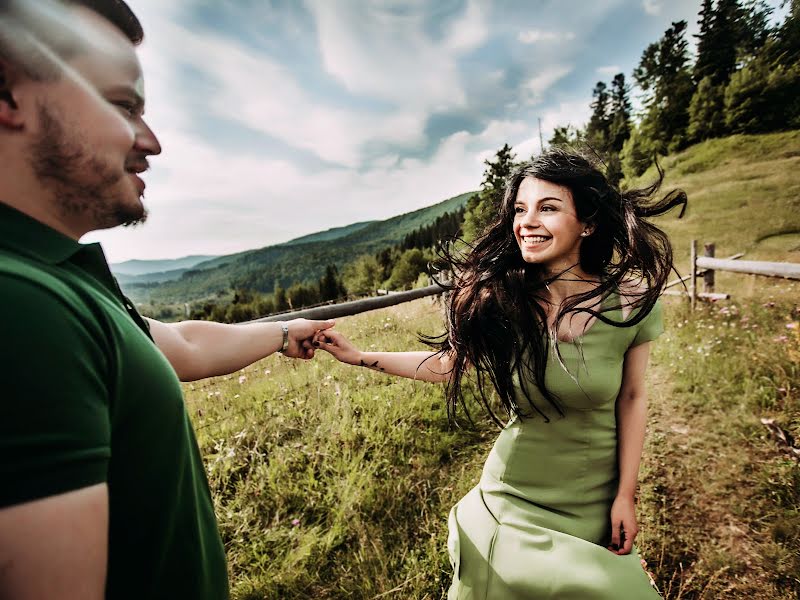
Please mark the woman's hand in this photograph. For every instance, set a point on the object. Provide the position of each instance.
(339, 346)
(623, 524)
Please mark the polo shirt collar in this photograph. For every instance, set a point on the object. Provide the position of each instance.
(27, 236)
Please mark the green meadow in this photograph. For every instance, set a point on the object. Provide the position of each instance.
(335, 482)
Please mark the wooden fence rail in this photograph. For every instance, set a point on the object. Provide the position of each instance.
(354, 307)
(753, 267)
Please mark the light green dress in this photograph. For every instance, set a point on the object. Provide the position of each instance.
(537, 524)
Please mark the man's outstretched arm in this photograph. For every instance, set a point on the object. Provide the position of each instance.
(200, 349)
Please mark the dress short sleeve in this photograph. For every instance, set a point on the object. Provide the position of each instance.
(651, 326)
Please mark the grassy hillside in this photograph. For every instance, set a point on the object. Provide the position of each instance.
(744, 195)
(294, 262)
(335, 482)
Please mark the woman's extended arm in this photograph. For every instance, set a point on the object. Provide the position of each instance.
(631, 421)
(423, 366)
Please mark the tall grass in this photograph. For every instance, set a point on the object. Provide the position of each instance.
(331, 481)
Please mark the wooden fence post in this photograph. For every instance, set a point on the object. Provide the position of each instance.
(693, 273)
(708, 276)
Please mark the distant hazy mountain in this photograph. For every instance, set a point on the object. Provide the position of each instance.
(300, 260)
(143, 267)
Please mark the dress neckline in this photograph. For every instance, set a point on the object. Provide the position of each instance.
(590, 325)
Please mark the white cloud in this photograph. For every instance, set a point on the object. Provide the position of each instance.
(532, 36)
(468, 32)
(376, 50)
(575, 114)
(263, 95)
(609, 70)
(533, 90)
(652, 7)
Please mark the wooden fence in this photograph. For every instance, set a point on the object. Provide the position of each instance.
(354, 307)
(707, 265)
(704, 266)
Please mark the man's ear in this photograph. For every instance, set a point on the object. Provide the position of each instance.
(10, 115)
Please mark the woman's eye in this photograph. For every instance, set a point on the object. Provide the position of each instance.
(547, 208)
(519, 209)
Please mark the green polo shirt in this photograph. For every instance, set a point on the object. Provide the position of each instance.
(86, 397)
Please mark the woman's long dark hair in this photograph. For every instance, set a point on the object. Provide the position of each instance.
(497, 321)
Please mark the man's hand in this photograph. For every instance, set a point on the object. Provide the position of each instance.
(301, 336)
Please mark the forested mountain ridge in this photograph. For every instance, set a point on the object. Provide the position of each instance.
(291, 262)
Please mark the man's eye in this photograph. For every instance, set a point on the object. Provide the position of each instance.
(127, 107)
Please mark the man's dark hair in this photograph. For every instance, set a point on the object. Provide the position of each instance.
(30, 43)
(117, 12)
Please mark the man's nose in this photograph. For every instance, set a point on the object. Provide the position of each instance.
(146, 141)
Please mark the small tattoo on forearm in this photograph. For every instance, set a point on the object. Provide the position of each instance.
(371, 366)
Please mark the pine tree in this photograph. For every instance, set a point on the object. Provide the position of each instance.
(279, 298)
(483, 207)
(598, 129)
(664, 76)
(330, 285)
(727, 31)
(566, 135)
(706, 111)
(753, 28)
(786, 47)
(703, 65)
(620, 128)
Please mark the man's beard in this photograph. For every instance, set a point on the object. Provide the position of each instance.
(82, 183)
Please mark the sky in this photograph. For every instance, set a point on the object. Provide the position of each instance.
(280, 118)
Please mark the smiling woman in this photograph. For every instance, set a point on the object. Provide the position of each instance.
(555, 305)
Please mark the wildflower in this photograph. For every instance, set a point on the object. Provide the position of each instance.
(791, 325)
(295, 522)
(236, 396)
(781, 338)
(267, 372)
(242, 379)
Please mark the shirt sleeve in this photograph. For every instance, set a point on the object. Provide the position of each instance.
(55, 426)
(651, 326)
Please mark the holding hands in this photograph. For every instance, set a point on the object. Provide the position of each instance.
(301, 336)
(338, 345)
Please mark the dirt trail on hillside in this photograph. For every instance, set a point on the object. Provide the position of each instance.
(697, 475)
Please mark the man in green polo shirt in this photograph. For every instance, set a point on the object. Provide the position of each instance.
(102, 487)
